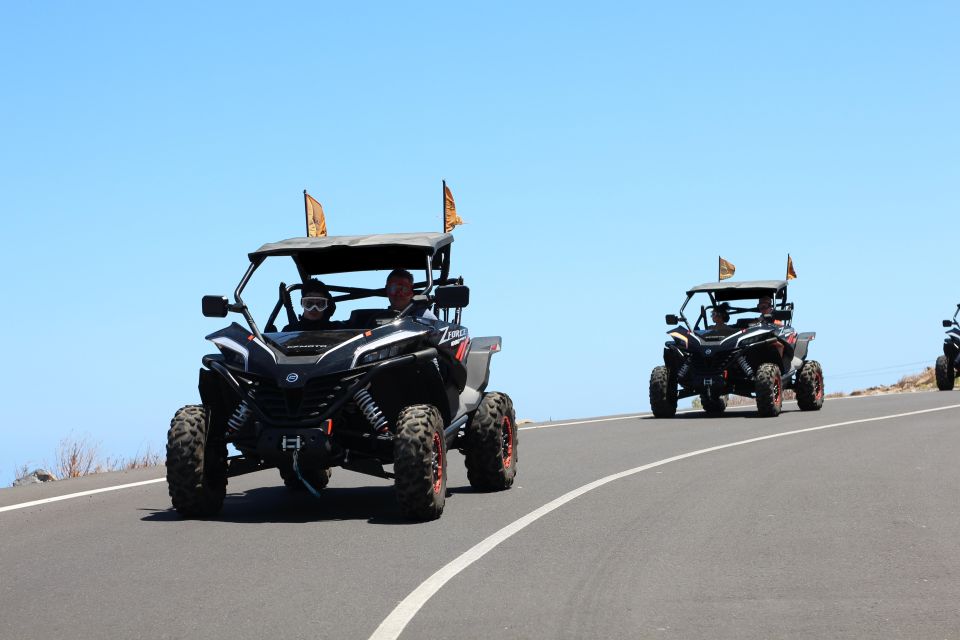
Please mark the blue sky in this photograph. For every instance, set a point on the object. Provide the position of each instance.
(604, 155)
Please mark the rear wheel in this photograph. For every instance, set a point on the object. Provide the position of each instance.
(196, 463)
(318, 478)
(810, 386)
(663, 393)
(491, 445)
(420, 462)
(945, 374)
(769, 390)
(713, 406)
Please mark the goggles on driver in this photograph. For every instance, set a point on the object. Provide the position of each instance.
(394, 289)
(311, 303)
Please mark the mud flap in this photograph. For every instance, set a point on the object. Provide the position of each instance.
(478, 372)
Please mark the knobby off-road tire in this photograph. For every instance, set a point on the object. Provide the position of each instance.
(491, 445)
(196, 463)
(318, 478)
(769, 390)
(810, 386)
(663, 393)
(713, 406)
(945, 374)
(420, 462)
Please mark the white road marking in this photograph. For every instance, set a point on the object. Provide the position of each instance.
(394, 624)
(643, 415)
(81, 494)
(33, 503)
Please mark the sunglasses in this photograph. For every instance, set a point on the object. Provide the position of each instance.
(399, 288)
(314, 303)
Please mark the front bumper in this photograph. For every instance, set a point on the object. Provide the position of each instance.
(317, 419)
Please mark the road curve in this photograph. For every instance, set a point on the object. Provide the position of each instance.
(714, 531)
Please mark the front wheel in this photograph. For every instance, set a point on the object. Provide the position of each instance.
(769, 390)
(945, 374)
(420, 462)
(491, 444)
(810, 386)
(196, 463)
(663, 393)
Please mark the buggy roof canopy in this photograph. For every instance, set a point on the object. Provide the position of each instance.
(742, 290)
(339, 254)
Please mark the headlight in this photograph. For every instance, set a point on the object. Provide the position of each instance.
(381, 354)
(235, 354)
(746, 342)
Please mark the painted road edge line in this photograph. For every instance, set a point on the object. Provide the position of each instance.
(80, 494)
(68, 496)
(394, 624)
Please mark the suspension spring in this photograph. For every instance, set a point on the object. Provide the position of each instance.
(684, 369)
(239, 418)
(371, 411)
(747, 369)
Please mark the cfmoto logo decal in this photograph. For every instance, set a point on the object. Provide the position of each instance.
(708, 352)
(292, 377)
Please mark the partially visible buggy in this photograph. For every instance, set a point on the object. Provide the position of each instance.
(383, 388)
(949, 363)
(757, 356)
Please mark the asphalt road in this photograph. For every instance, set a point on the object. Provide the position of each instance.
(850, 531)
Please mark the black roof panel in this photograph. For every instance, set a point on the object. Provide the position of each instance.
(340, 254)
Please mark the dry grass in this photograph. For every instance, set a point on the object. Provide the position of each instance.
(924, 381)
(148, 458)
(78, 456)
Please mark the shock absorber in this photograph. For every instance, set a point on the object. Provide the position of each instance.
(371, 411)
(747, 369)
(239, 417)
(684, 369)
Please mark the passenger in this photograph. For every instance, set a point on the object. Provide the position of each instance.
(720, 316)
(318, 306)
(400, 292)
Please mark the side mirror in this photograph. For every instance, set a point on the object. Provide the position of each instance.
(672, 319)
(453, 296)
(948, 323)
(784, 315)
(215, 306)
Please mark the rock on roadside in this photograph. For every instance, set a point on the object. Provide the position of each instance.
(35, 477)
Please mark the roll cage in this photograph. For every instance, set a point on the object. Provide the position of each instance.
(726, 292)
(344, 254)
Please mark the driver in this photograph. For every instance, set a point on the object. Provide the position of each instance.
(765, 307)
(399, 290)
(318, 306)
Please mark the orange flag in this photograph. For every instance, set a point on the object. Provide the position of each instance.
(791, 273)
(726, 269)
(450, 217)
(316, 222)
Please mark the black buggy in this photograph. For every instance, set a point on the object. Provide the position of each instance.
(757, 356)
(948, 364)
(382, 388)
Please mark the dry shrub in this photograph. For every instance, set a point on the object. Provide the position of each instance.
(77, 457)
